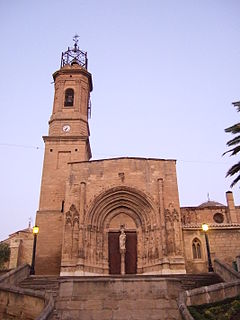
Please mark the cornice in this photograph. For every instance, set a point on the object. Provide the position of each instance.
(212, 226)
(65, 138)
(126, 158)
(67, 119)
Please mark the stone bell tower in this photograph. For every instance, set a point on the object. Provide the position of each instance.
(67, 140)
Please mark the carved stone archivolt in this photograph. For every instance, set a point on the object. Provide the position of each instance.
(108, 205)
(86, 236)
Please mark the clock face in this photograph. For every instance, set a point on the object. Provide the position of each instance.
(66, 128)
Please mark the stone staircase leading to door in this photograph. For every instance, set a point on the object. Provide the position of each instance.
(117, 297)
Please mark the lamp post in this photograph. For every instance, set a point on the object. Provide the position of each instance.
(205, 229)
(35, 233)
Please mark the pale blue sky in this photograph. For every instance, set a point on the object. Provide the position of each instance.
(164, 72)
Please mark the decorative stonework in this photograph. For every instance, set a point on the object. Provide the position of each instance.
(172, 230)
(72, 216)
(71, 232)
(110, 205)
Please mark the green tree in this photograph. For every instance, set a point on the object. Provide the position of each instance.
(4, 254)
(234, 144)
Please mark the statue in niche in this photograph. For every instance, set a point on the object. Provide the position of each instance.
(122, 247)
(122, 240)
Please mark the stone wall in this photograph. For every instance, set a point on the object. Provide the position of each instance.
(223, 233)
(210, 294)
(16, 275)
(49, 242)
(21, 303)
(16, 304)
(145, 191)
(224, 244)
(205, 295)
(21, 244)
(117, 299)
(226, 272)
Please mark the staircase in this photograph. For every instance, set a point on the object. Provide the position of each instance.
(46, 284)
(99, 300)
(49, 284)
(188, 281)
(192, 281)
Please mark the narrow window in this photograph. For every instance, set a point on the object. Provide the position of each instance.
(62, 208)
(196, 249)
(69, 98)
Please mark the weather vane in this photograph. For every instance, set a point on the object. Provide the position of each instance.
(75, 38)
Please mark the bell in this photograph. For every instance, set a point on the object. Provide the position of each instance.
(74, 61)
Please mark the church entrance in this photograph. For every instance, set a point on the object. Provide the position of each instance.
(130, 256)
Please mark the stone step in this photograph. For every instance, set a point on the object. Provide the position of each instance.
(41, 283)
(196, 281)
(189, 281)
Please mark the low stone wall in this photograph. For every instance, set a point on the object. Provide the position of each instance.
(104, 298)
(204, 295)
(226, 272)
(15, 303)
(18, 303)
(183, 308)
(213, 293)
(15, 276)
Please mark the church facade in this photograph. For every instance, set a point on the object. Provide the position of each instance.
(86, 205)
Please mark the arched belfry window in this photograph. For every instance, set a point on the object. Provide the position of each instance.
(196, 249)
(69, 98)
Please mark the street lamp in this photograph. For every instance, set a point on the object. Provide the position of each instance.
(35, 233)
(205, 229)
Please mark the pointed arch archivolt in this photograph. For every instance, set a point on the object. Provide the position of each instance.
(115, 200)
(105, 213)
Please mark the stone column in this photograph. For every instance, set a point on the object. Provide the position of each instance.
(162, 217)
(81, 218)
(122, 252)
(122, 247)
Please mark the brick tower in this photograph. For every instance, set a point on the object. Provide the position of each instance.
(67, 140)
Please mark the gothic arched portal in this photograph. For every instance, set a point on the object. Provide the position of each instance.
(122, 260)
(108, 212)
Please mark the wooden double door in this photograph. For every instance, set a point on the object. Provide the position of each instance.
(114, 253)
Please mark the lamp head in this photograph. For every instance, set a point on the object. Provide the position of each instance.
(35, 230)
(205, 227)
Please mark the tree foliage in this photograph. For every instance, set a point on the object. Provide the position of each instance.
(4, 253)
(234, 145)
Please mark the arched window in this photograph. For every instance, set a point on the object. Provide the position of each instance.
(69, 98)
(196, 249)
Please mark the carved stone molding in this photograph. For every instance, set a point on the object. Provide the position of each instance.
(72, 216)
